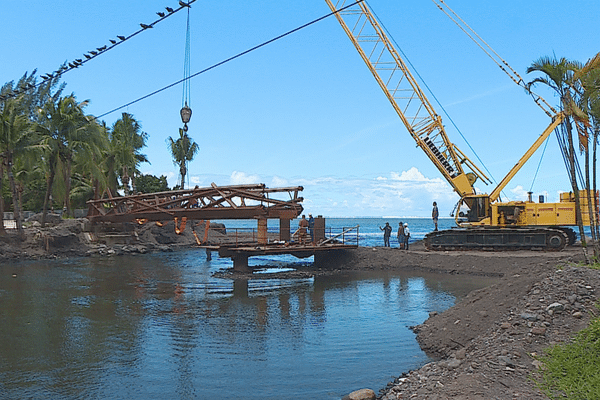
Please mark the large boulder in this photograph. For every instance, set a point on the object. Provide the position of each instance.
(362, 394)
(51, 218)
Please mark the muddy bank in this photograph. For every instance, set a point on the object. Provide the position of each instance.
(485, 346)
(77, 238)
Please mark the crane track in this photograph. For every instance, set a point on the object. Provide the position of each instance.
(499, 239)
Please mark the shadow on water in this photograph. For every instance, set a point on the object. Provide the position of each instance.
(160, 326)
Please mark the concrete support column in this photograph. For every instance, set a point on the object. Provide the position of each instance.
(240, 288)
(240, 262)
(262, 231)
(319, 228)
(284, 229)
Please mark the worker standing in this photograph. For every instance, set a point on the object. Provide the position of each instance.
(406, 235)
(387, 232)
(400, 235)
(434, 215)
(311, 227)
(302, 225)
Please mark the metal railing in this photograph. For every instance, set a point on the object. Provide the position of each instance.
(338, 235)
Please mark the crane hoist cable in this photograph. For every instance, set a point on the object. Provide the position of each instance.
(513, 75)
(502, 64)
(185, 98)
(539, 164)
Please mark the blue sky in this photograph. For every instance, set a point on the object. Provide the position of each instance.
(305, 110)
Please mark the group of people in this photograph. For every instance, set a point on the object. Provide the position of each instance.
(403, 235)
(404, 231)
(305, 225)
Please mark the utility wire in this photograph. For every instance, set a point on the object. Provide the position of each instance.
(230, 59)
(539, 165)
(68, 66)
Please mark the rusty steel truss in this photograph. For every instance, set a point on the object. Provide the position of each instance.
(215, 202)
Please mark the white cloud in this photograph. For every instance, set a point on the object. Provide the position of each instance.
(241, 178)
(404, 193)
(481, 95)
(278, 182)
(412, 174)
(519, 193)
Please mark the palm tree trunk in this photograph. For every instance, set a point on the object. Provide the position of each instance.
(49, 183)
(68, 188)
(125, 181)
(15, 196)
(183, 172)
(588, 188)
(594, 158)
(573, 176)
(590, 208)
(2, 230)
(133, 188)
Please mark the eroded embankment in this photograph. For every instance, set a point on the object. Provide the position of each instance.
(486, 344)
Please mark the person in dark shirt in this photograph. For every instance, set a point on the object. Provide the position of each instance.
(387, 232)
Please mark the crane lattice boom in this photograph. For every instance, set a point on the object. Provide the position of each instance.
(405, 95)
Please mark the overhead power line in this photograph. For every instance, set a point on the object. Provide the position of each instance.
(90, 55)
(230, 59)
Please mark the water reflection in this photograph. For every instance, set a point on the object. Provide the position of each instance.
(161, 326)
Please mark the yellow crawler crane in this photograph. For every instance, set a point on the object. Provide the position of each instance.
(483, 221)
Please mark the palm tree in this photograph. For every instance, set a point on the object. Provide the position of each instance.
(14, 142)
(64, 129)
(558, 75)
(589, 78)
(126, 141)
(183, 150)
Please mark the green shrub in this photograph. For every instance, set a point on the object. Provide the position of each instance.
(572, 371)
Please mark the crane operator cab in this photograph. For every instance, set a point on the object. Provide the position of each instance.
(478, 209)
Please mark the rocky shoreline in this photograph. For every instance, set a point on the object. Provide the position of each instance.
(485, 346)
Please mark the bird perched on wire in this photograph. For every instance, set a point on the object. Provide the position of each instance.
(169, 9)
(182, 4)
(121, 37)
(144, 26)
(93, 52)
(101, 48)
(87, 56)
(113, 41)
(161, 14)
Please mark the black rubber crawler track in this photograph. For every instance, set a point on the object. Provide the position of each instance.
(493, 238)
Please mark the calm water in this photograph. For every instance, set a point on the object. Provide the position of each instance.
(159, 326)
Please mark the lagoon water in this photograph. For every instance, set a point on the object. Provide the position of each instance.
(160, 326)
